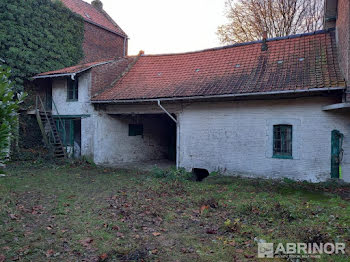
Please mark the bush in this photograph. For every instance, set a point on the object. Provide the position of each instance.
(9, 104)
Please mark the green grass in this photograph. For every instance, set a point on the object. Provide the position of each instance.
(81, 212)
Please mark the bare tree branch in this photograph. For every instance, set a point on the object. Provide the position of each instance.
(248, 19)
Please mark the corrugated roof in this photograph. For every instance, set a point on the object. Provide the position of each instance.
(293, 63)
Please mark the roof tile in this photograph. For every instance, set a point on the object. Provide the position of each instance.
(90, 13)
(177, 75)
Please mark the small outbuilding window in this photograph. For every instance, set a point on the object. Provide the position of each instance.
(135, 130)
(72, 89)
(282, 141)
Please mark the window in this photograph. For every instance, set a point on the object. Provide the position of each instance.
(72, 89)
(282, 141)
(135, 130)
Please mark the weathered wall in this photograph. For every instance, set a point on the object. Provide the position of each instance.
(101, 45)
(113, 145)
(236, 137)
(343, 37)
(75, 108)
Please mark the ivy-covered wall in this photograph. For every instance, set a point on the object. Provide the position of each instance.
(38, 36)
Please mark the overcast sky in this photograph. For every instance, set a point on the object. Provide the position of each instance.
(168, 26)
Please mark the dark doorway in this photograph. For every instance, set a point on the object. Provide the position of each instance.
(172, 140)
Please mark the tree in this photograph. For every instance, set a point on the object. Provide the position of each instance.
(38, 36)
(9, 104)
(248, 19)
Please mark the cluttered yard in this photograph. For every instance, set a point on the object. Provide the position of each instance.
(80, 212)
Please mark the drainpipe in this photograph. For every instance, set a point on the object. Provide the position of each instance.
(177, 133)
(166, 111)
(124, 51)
(73, 76)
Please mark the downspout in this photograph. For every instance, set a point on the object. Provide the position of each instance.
(124, 51)
(177, 133)
(166, 111)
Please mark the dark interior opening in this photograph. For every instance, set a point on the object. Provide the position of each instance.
(200, 173)
(77, 137)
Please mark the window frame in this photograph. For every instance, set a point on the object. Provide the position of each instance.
(283, 129)
(73, 87)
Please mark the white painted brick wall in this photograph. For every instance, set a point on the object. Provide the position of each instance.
(231, 136)
(80, 107)
(237, 137)
(113, 145)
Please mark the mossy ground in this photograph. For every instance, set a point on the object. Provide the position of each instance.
(73, 212)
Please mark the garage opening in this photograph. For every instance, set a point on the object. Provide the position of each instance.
(146, 138)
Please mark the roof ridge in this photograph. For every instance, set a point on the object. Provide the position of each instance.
(323, 31)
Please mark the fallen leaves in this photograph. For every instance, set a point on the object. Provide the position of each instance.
(156, 234)
(203, 208)
(2, 258)
(50, 253)
(211, 231)
(14, 216)
(103, 257)
(86, 242)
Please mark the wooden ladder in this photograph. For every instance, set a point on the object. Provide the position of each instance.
(49, 131)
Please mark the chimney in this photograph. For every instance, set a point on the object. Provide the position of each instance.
(141, 53)
(97, 4)
(343, 36)
(264, 46)
(330, 14)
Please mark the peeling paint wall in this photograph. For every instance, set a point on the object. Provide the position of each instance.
(113, 145)
(80, 107)
(236, 137)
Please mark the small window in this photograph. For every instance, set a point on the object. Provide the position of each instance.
(135, 130)
(282, 141)
(72, 89)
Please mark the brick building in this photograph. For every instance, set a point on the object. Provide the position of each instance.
(103, 38)
(240, 109)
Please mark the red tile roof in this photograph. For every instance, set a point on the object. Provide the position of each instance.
(91, 14)
(72, 69)
(292, 63)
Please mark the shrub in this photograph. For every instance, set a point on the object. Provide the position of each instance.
(9, 104)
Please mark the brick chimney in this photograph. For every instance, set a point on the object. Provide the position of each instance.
(330, 14)
(97, 4)
(337, 12)
(264, 46)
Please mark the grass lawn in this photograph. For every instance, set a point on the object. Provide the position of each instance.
(84, 213)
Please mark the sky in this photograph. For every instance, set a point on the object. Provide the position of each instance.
(168, 26)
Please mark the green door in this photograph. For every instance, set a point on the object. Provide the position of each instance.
(336, 153)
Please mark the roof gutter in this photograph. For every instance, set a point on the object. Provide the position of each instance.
(122, 101)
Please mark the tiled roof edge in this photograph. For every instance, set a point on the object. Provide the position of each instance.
(105, 28)
(248, 43)
(229, 95)
(72, 73)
